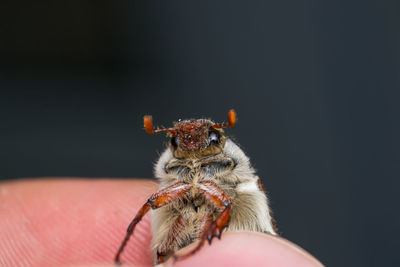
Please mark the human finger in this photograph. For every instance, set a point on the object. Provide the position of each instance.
(72, 221)
(247, 249)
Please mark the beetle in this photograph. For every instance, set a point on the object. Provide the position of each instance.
(207, 186)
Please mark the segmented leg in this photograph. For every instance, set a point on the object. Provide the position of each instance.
(261, 185)
(157, 200)
(166, 246)
(273, 222)
(220, 200)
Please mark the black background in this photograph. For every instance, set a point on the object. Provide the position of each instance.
(315, 85)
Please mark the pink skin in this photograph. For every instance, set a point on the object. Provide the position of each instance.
(82, 222)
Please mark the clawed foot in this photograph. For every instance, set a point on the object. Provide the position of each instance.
(213, 231)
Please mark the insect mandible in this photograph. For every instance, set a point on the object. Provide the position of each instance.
(207, 186)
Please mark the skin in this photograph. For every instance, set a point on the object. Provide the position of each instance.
(81, 222)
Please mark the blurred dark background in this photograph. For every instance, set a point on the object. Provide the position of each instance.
(315, 85)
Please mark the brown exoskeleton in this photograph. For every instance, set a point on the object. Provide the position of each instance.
(207, 185)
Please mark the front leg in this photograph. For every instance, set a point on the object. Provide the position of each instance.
(220, 200)
(157, 200)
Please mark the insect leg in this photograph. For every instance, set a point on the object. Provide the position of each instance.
(205, 225)
(157, 200)
(219, 199)
(216, 196)
(166, 247)
(261, 185)
(273, 222)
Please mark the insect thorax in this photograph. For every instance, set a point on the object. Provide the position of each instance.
(202, 169)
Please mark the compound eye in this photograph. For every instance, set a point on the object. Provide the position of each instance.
(213, 137)
(175, 141)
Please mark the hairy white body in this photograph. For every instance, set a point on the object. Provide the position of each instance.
(232, 172)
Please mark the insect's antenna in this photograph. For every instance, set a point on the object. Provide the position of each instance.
(148, 126)
(231, 121)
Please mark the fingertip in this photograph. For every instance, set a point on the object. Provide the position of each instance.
(73, 221)
(59, 222)
(247, 249)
